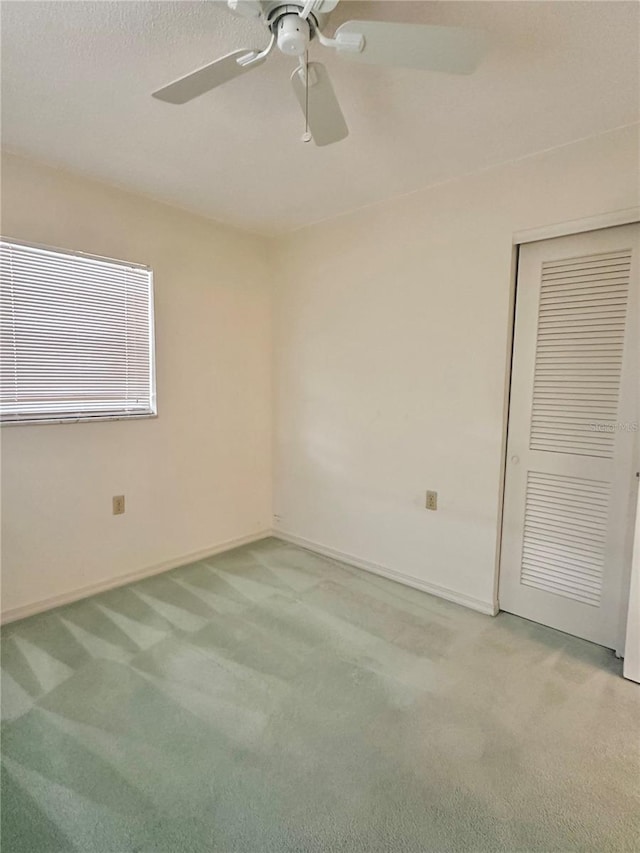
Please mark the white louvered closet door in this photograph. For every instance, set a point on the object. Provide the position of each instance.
(572, 451)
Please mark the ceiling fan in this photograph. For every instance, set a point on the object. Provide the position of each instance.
(294, 25)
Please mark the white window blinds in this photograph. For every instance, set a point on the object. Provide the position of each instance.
(76, 336)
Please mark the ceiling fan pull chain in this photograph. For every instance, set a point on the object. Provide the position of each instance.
(306, 136)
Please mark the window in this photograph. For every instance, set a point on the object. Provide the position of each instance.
(76, 337)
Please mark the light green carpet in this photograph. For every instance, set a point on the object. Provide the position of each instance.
(272, 700)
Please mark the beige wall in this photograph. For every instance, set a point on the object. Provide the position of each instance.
(392, 337)
(197, 476)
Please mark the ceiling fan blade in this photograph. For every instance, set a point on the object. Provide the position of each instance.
(456, 50)
(326, 121)
(208, 77)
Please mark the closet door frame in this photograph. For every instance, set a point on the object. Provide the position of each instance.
(629, 619)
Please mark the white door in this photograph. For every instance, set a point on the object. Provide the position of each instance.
(572, 448)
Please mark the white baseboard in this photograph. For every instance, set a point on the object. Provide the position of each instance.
(25, 610)
(15, 613)
(487, 607)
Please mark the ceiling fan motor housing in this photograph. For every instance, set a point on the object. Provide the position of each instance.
(293, 35)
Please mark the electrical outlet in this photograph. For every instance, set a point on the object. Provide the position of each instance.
(432, 500)
(118, 504)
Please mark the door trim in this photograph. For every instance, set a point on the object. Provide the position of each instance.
(628, 216)
(513, 287)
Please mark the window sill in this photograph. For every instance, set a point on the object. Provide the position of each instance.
(81, 419)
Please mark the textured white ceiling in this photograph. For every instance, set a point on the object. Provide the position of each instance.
(77, 79)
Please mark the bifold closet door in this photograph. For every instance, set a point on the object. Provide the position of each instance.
(572, 451)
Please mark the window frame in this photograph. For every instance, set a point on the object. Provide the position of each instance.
(88, 418)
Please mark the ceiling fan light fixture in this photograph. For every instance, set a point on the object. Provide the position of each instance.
(293, 35)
